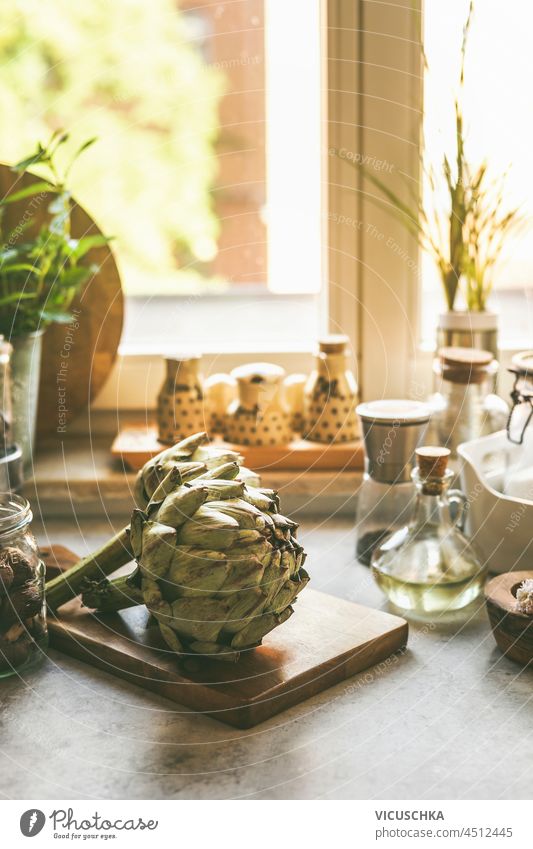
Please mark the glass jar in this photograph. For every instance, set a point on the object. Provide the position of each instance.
(331, 395)
(429, 566)
(521, 396)
(392, 430)
(180, 403)
(464, 405)
(518, 474)
(23, 633)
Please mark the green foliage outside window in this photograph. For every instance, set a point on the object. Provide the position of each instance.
(129, 73)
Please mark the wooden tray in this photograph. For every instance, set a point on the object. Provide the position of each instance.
(325, 641)
(513, 631)
(137, 444)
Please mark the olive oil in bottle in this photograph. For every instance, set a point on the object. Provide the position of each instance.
(429, 566)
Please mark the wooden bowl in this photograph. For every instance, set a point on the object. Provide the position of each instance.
(513, 631)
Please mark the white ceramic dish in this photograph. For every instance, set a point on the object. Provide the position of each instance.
(501, 525)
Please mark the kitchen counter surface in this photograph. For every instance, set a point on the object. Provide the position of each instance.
(451, 718)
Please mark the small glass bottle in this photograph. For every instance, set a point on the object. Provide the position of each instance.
(331, 395)
(429, 566)
(464, 405)
(23, 633)
(391, 431)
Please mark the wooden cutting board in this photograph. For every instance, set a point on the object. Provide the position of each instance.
(324, 642)
(136, 444)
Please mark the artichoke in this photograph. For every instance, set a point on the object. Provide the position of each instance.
(218, 566)
(189, 458)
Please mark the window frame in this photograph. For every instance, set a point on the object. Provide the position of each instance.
(372, 99)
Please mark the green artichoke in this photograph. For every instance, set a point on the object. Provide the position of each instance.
(186, 460)
(218, 566)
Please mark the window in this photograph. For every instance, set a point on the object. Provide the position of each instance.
(216, 169)
(499, 125)
(207, 168)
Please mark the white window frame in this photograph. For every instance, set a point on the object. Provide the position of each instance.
(373, 88)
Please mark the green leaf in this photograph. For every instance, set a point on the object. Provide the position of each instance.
(56, 317)
(411, 216)
(7, 254)
(15, 297)
(85, 244)
(34, 189)
(73, 278)
(40, 155)
(18, 266)
(85, 145)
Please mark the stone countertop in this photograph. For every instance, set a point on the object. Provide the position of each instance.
(451, 718)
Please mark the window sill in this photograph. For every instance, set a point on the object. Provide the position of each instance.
(79, 480)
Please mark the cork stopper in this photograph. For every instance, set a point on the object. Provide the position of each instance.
(334, 343)
(432, 461)
(466, 357)
(182, 366)
(466, 365)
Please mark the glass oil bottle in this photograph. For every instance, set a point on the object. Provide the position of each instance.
(429, 566)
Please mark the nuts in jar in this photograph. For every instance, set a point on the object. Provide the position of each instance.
(23, 633)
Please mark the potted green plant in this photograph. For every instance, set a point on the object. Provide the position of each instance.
(42, 268)
(466, 241)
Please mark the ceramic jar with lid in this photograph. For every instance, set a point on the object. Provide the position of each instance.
(331, 395)
(180, 407)
(294, 389)
(259, 416)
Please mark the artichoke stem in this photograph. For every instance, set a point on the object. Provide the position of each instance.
(111, 596)
(113, 554)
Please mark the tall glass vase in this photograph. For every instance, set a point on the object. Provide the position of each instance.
(25, 374)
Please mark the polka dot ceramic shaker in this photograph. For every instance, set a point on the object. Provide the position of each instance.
(331, 395)
(219, 391)
(294, 389)
(260, 415)
(180, 407)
